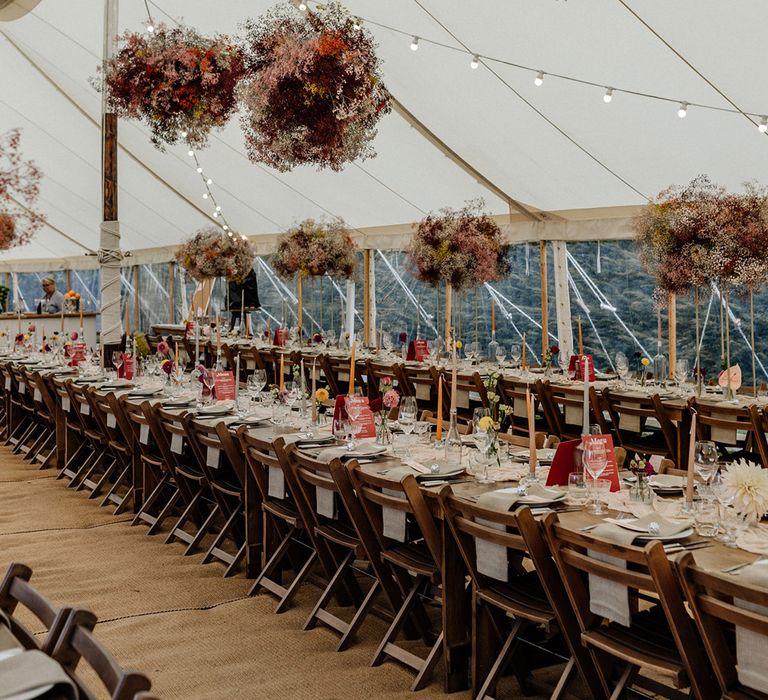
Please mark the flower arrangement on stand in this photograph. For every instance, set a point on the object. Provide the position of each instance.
(314, 93)
(19, 191)
(180, 83)
(213, 253)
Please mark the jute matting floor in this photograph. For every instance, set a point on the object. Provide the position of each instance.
(193, 632)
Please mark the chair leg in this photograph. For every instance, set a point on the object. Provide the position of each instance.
(164, 513)
(144, 510)
(179, 524)
(327, 594)
(112, 493)
(624, 682)
(210, 555)
(425, 674)
(202, 531)
(565, 679)
(501, 661)
(397, 623)
(125, 501)
(67, 470)
(294, 587)
(236, 561)
(84, 468)
(105, 477)
(359, 618)
(271, 564)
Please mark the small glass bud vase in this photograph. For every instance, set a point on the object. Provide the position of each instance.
(453, 442)
(640, 491)
(383, 433)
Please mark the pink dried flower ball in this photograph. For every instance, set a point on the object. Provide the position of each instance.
(391, 399)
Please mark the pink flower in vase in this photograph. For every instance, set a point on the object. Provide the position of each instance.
(391, 399)
(163, 348)
(74, 335)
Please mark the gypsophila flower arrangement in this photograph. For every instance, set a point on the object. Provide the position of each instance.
(464, 248)
(180, 83)
(213, 253)
(315, 248)
(19, 191)
(749, 483)
(700, 233)
(314, 93)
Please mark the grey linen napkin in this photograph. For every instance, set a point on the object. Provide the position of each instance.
(394, 521)
(607, 598)
(491, 558)
(33, 670)
(751, 648)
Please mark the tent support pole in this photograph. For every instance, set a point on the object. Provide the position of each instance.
(367, 297)
(562, 296)
(544, 296)
(136, 298)
(109, 241)
(171, 275)
(672, 335)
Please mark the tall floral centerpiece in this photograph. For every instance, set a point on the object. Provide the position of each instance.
(462, 248)
(314, 92)
(694, 235)
(180, 83)
(19, 191)
(213, 253)
(314, 249)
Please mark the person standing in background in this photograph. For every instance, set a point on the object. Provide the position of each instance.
(53, 301)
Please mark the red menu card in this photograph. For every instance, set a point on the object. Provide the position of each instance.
(417, 350)
(224, 385)
(562, 463)
(576, 367)
(365, 421)
(75, 353)
(611, 470)
(127, 368)
(281, 337)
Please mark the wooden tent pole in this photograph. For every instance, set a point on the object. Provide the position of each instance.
(171, 275)
(367, 297)
(136, 297)
(544, 296)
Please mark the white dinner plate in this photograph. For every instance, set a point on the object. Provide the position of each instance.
(666, 538)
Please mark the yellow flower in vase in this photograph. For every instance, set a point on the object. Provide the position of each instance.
(322, 395)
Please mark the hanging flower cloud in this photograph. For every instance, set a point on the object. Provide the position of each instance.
(19, 192)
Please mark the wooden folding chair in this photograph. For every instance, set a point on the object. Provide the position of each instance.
(376, 371)
(422, 382)
(642, 425)
(336, 370)
(224, 471)
(738, 432)
(78, 643)
(72, 445)
(513, 392)
(335, 533)
(43, 449)
(520, 594)
(285, 525)
(88, 476)
(470, 393)
(660, 638)
(15, 589)
(564, 407)
(417, 561)
(721, 605)
(26, 428)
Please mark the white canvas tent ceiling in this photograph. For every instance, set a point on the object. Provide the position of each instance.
(48, 55)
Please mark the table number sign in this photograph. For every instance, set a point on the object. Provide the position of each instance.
(365, 421)
(576, 367)
(224, 386)
(563, 463)
(75, 353)
(281, 337)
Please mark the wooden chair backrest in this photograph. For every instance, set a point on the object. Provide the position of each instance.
(151, 451)
(261, 456)
(464, 428)
(371, 490)
(712, 599)
(376, 371)
(735, 419)
(40, 394)
(77, 642)
(467, 383)
(422, 383)
(15, 589)
(642, 408)
(170, 424)
(336, 370)
(204, 437)
(512, 393)
(559, 399)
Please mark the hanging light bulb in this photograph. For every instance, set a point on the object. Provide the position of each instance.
(763, 125)
(608, 95)
(199, 169)
(150, 28)
(475, 62)
(539, 79)
(683, 110)
(218, 208)
(191, 153)
(229, 233)
(303, 6)
(225, 227)
(209, 181)
(415, 44)
(205, 195)
(244, 237)
(215, 214)
(183, 134)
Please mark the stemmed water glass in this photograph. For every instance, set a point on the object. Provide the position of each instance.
(501, 353)
(681, 372)
(514, 353)
(255, 382)
(705, 461)
(564, 361)
(406, 419)
(595, 462)
(354, 408)
(117, 360)
(209, 381)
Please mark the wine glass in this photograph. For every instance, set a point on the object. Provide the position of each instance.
(407, 418)
(256, 381)
(500, 354)
(595, 461)
(564, 361)
(514, 353)
(386, 342)
(209, 381)
(622, 366)
(705, 461)
(117, 360)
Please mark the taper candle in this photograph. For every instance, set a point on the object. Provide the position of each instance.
(282, 372)
(531, 433)
(493, 314)
(439, 435)
(454, 378)
(691, 459)
(314, 391)
(581, 341)
(352, 370)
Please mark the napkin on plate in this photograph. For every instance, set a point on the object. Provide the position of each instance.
(640, 526)
(364, 449)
